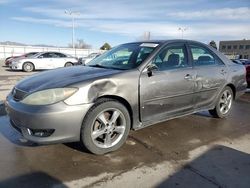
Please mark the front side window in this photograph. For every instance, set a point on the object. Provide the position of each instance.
(46, 55)
(171, 57)
(126, 56)
(202, 56)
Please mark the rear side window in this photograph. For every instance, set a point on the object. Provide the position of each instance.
(202, 56)
(46, 55)
(60, 55)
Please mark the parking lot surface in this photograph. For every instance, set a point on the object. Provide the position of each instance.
(192, 151)
(9, 78)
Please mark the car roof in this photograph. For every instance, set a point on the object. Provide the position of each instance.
(164, 41)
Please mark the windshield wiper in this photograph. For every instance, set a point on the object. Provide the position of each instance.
(101, 66)
(98, 65)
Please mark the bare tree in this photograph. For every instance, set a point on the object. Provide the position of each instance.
(213, 44)
(80, 44)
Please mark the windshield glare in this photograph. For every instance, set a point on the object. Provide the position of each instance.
(126, 56)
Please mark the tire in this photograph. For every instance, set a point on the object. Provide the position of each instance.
(28, 67)
(99, 133)
(224, 103)
(68, 64)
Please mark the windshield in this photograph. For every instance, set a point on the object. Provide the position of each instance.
(92, 55)
(126, 56)
(30, 54)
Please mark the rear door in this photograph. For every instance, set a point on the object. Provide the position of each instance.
(211, 75)
(168, 90)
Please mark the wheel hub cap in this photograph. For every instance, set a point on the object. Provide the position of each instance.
(108, 128)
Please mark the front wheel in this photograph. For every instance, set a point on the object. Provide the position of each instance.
(106, 127)
(224, 104)
(28, 67)
(68, 64)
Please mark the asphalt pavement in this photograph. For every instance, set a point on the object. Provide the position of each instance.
(192, 151)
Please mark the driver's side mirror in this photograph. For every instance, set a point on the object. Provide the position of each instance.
(151, 68)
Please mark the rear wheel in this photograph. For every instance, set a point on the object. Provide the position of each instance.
(224, 104)
(105, 127)
(68, 64)
(28, 67)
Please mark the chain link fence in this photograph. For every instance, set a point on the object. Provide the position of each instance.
(12, 50)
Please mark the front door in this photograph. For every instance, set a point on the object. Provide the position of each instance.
(44, 61)
(169, 89)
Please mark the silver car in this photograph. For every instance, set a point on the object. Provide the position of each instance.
(132, 86)
(86, 60)
(43, 60)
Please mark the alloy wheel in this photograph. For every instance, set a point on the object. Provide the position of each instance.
(225, 102)
(108, 128)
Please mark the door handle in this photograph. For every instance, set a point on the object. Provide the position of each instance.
(188, 77)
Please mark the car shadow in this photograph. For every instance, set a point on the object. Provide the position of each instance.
(77, 146)
(204, 114)
(11, 70)
(218, 167)
(31, 180)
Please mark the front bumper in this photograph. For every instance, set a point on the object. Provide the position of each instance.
(15, 66)
(64, 120)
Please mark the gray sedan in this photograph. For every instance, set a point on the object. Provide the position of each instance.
(132, 86)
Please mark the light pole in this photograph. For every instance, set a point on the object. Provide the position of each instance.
(182, 31)
(73, 14)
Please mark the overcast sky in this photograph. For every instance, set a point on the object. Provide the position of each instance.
(119, 21)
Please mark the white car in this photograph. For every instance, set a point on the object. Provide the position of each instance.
(86, 60)
(43, 60)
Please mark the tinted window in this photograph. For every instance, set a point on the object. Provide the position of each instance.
(223, 47)
(241, 47)
(60, 55)
(46, 55)
(235, 47)
(171, 57)
(201, 56)
(30, 54)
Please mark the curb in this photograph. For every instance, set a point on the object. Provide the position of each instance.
(2, 109)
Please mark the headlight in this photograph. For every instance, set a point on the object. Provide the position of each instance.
(49, 96)
(13, 62)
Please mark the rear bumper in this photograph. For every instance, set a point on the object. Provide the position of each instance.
(65, 121)
(241, 90)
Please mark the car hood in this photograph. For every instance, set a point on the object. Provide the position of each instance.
(63, 77)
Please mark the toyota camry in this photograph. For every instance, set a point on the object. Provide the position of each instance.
(132, 86)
